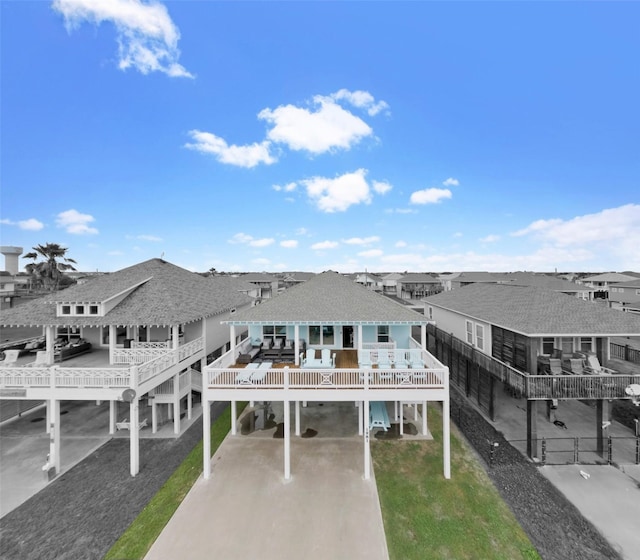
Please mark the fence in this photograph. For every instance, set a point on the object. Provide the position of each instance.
(626, 353)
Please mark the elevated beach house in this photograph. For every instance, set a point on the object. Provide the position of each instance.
(328, 339)
(120, 337)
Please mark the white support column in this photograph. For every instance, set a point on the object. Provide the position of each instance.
(154, 416)
(113, 416)
(175, 337)
(359, 338)
(232, 340)
(424, 417)
(296, 344)
(446, 435)
(50, 336)
(287, 441)
(395, 410)
(233, 418)
(176, 403)
(206, 436)
(423, 336)
(367, 432)
(134, 436)
(360, 422)
(297, 417)
(48, 417)
(189, 400)
(54, 436)
(112, 342)
(401, 418)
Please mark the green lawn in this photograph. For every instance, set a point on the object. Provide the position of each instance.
(426, 516)
(146, 528)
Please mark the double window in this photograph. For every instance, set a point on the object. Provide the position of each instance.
(383, 333)
(273, 332)
(474, 334)
(321, 335)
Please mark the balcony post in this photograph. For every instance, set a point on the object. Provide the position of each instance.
(367, 431)
(602, 422)
(532, 428)
(206, 434)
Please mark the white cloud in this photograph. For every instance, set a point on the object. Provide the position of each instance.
(361, 99)
(381, 187)
(451, 182)
(302, 231)
(489, 239)
(361, 240)
(240, 238)
(30, 225)
(149, 238)
(289, 243)
(326, 128)
(336, 195)
(371, 253)
(76, 223)
(146, 35)
(400, 244)
(458, 234)
(264, 242)
(289, 187)
(242, 156)
(324, 245)
(429, 196)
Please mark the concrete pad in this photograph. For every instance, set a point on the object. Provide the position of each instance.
(605, 496)
(247, 510)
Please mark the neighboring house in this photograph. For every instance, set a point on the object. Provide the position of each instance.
(145, 326)
(522, 327)
(390, 283)
(602, 282)
(369, 280)
(466, 278)
(330, 312)
(549, 282)
(415, 286)
(265, 285)
(289, 279)
(625, 296)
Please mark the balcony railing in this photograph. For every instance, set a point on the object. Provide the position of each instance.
(578, 386)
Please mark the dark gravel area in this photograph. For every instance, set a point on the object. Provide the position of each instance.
(554, 525)
(80, 515)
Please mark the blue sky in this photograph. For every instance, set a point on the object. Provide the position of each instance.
(387, 136)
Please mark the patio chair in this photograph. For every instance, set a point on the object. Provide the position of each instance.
(415, 358)
(555, 366)
(576, 365)
(326, 359)
(384, 360)
(10, 358)
(40, 361)
(400, 358)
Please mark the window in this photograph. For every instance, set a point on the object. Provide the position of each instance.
(547, 346)
(93, 310)
(480, 337)
(79, 309)
(586, 344)
(68, 334)
(321, 335)
(469, 326)
(430, 312)
(383, 333)
(66, 310)
(567, 345)
(273, 332)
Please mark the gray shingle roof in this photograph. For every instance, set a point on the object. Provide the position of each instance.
(329, 298)
(536, 312)
(171, 295)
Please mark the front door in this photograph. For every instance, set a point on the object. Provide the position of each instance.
(347, 336)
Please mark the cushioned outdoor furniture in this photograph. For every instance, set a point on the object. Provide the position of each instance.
(75, 349)
(10, 358)
(40, 361)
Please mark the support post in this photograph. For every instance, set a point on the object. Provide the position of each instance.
(154, 416)
(206, 436)
(54, 436)
(287, 441)
(297, 409)
(367, 432)
(234, 429)
(113, 415)
(602, 422)
(134, 436)
(296, 345)
(176, 403)
(532, 428)
(360, 422)
(424, 417)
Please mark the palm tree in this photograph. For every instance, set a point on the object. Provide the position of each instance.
(49, 271)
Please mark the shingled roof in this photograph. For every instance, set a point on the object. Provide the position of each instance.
(534, 311)
(165, 295)
(328, 298)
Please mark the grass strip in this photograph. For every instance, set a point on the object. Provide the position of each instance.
(136, 541)
(428, 517)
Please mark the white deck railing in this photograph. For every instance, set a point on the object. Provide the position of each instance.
(137, 355)
(352, 378)
(375, 345)
(146, 345)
